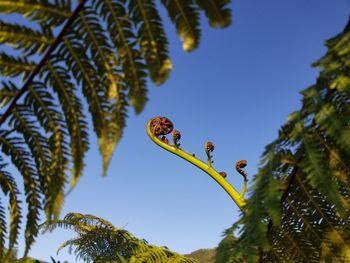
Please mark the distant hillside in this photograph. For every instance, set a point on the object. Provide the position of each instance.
(203, 255)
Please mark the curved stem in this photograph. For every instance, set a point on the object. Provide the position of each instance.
(232, 192)
(244, 189)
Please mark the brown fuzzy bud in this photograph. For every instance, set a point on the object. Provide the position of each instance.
(161, 126)
(223, 174)
(239, 165)
(209, 147)
(176, 136)
(165, 140)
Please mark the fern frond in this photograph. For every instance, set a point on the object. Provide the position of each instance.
(29, 41)
(120, 29)
(95, 93)
(21, 159)
(312, 211)
(314, 164)
(332, 122)
(185, 16)
(151, 38)
(58, 78)
(39, 148)
(217, 11)
(38, 10)
(7, 92)
(102, 85)
(99, 241)
(89, 28)
(119, 113)
(330, 115)
(105, 47)
(52, 121)
(223, 251)
(9, 186)
(11, 66)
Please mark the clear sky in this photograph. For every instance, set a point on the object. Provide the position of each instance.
(236, 90)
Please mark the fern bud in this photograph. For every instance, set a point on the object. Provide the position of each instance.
(223, 174)
(239, 165)
(165, 140)
(176, 136)
(161, 126)
(209, 147)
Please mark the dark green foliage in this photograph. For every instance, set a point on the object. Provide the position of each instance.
(299, 207)
(99, 241)
(102, 52)
(224, 250)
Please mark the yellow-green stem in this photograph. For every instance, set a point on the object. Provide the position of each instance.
(232, 192)
(244, 189)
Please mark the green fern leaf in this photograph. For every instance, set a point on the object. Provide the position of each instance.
(39, 148)
(42, 104)
(96, 95)
(89, 28)
(151, 38)
(38, 10)
(120, 29)
(113, 104)
(7, 92)
(14, 66)
(99, 241)
(9, 186)
(310, 157)
(314, 165)
(217, 12)
(21, 159)
(24, 38)
(58, 78)
(107, 48)
(185, 16)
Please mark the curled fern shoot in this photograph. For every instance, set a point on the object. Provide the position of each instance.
(157, 128)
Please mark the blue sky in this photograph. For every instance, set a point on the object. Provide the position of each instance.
(236, 90)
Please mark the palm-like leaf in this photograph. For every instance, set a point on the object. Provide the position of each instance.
(99, 241)
(104, 50)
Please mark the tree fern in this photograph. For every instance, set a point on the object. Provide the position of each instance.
(298, 210)
(101, 52)
(99, 241)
